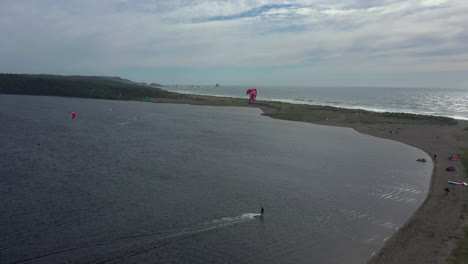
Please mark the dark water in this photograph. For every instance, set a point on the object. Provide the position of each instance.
(129, 182)
(427, 101)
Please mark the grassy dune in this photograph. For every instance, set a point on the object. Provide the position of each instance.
(309, 113)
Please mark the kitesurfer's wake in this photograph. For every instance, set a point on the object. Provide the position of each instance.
(161, 239)
(236, 219)
(185, 234)
(213, 225)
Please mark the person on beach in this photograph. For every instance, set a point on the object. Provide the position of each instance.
(447, 190)
(261, 211)
(435, 156)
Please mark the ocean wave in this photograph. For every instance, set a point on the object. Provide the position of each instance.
(422, 107)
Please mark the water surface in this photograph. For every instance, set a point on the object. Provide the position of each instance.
(132, 182)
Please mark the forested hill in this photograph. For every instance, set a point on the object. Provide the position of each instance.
(78, 86)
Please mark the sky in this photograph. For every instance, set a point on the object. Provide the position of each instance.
(386, 43)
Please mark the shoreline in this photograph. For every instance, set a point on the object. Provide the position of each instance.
(432, 233)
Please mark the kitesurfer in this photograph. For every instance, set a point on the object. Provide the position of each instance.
(447, 190)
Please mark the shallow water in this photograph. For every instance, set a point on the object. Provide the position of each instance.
(164, 183)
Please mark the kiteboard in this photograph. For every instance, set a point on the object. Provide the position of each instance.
(458, 183)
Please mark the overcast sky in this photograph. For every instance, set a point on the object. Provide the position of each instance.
(413, 43)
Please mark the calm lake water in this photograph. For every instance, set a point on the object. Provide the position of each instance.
(132, 182)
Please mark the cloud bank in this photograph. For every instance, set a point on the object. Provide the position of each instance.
(305, 42)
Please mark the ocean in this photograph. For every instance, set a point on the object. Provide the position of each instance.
(427, 101)
(138, 182)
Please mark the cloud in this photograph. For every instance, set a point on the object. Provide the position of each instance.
(105, 37)
(267, 10)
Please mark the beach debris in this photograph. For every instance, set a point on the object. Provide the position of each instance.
(458, 183)
(454, 158)
(73, 115)
(421, 160)
(451, 168)
(253, 95)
